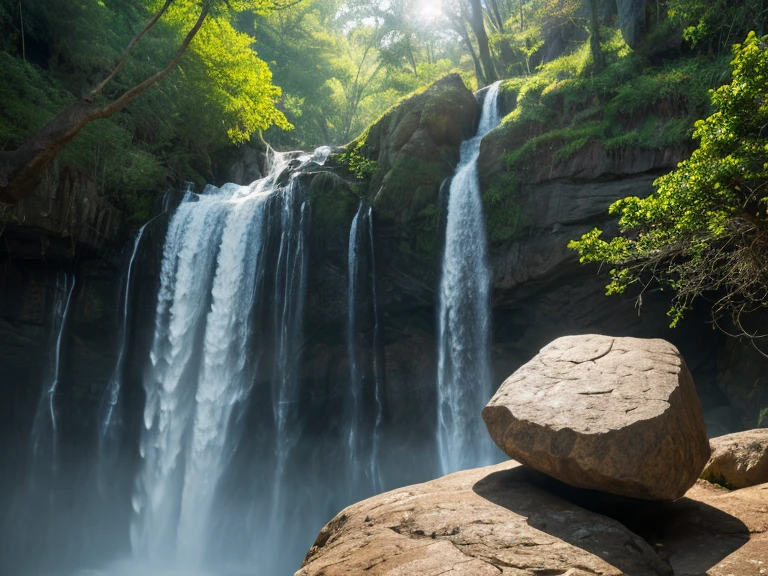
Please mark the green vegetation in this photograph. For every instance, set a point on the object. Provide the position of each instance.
(503, 215)
(57, 52)
(704, 232)
(565, 105)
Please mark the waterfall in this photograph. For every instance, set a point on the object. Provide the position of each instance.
(109, 405)
(464, 379)
(112, 394)
(363, 411)
(201, 368)
(353, 410)
(289, 295)
(377, 366)
(290, 290)
(44, 427)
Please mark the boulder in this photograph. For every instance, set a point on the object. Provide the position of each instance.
(738, 460)
(619, 415)
(509, 519)
(479, 522)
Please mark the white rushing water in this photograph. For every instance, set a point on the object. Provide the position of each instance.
(112, 395)
(374, 471)
(353, 408)
(464, 378)
(107, 425)
(363, 410)
(213, 270)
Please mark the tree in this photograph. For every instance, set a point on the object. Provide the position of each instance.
(461, 13)
(704, 231)
(253, 109)
(594, 35)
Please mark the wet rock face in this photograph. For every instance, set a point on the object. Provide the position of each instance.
(66, 205)
(619, 415)
(739, 460)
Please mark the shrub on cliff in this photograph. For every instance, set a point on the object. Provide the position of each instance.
(704, 231)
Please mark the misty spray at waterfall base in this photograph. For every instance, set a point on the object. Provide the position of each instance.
(212, 453)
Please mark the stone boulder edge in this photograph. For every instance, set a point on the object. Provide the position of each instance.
(619, 415)
(738, 460)
(479, 522)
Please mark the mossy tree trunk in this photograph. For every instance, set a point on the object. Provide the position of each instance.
(594, 35)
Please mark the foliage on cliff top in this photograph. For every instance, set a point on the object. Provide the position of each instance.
(704, 231)
(630, 102)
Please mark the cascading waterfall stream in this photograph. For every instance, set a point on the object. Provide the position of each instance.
(377, 367)
(464, 378)
(44, 430)
(363, 411)
(107, 417)
(290, 292)
(201, 370)
(112, 395)
(353, 409)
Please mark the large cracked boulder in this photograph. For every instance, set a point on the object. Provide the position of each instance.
(620, 415)
(739, 460)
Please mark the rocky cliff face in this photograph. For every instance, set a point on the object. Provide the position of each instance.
(540, 291)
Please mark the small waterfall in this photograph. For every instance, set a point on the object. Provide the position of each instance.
(112, 395)
(464, 379)
(289, 293)
(44, 433)
(108, 418)
(363, 411)
(377, 366)
(353, 411)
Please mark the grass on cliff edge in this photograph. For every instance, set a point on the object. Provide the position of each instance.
(630, 103)
(565, 105)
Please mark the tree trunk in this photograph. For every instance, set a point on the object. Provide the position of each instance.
(594, 35)
(459, 26)
(22, 169)
(497, 15)
(475, 18)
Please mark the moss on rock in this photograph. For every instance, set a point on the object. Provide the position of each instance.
(504, 216)
(332, 199)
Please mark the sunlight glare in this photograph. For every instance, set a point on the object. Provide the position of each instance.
(428, 10)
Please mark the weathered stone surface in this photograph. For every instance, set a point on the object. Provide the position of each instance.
(619, 415)
(739, 460)
(508, 519)
(66, 208)
(478, 522)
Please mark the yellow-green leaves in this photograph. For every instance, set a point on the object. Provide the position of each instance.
(705, 225)
(237, 81)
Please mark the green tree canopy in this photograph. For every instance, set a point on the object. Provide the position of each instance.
(231, 82)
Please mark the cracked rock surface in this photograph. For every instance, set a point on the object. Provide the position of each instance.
(508, 519)
(486, 521)
(620, 415)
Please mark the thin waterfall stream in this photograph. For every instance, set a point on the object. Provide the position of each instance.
(464, 376)
(45, 430)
